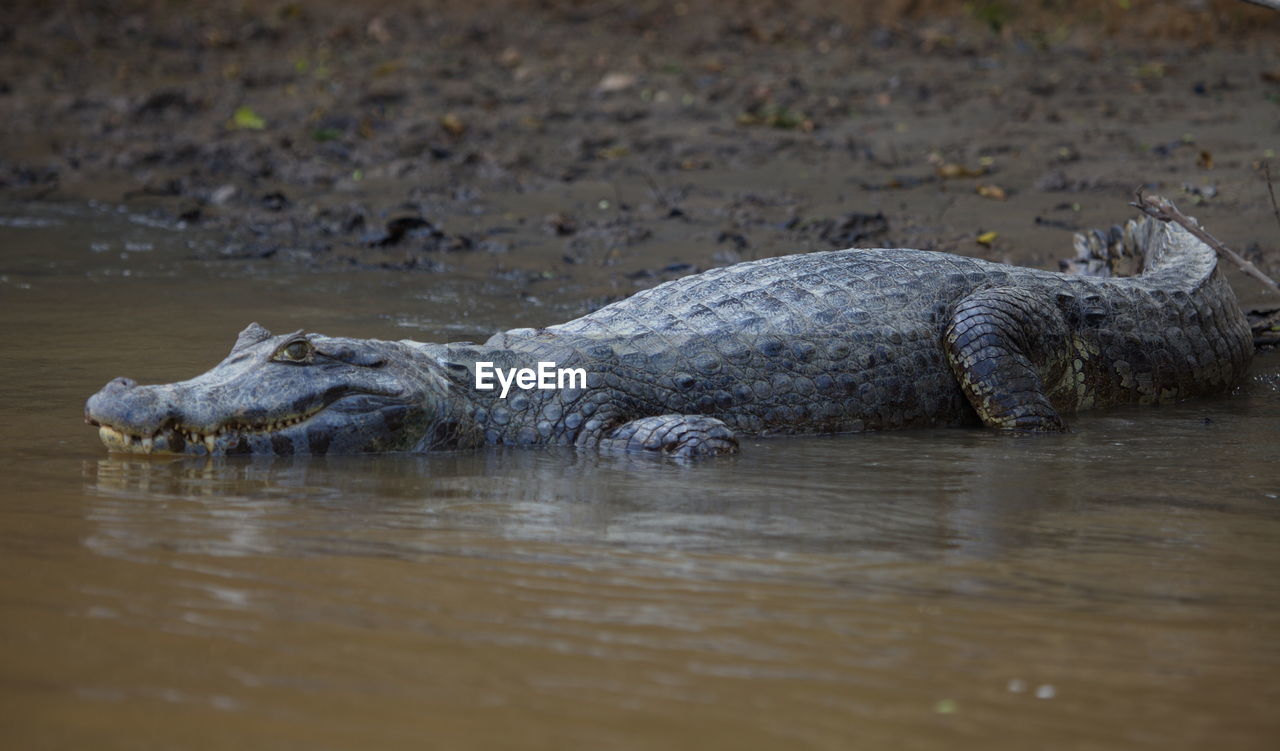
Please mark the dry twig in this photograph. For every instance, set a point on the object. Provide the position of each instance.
(1266, 170)
(1164, 210)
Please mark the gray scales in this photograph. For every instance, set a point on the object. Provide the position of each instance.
(838, 342)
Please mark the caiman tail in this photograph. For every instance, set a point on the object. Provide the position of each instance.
(1143, 246)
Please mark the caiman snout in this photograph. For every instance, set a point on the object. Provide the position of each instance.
(127, 415)
(113, 389)
(106, 395)
(122, 403)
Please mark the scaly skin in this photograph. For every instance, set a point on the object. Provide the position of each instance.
(846, 341)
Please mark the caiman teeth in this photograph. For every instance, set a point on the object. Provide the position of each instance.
(124, 440)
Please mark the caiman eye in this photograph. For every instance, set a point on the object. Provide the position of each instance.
(295, 351)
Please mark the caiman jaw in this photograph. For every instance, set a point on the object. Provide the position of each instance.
(163, 439)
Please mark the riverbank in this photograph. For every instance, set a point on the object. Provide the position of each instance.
(592, 149)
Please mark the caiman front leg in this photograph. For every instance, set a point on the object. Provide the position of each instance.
(684, 436)
(1004, 345)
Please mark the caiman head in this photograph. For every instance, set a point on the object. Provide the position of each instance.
(284, 395)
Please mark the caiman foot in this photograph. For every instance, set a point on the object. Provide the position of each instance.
(684, 436)
(1001, 344)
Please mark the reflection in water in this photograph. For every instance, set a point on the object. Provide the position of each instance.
(863, 588)
(742, 505)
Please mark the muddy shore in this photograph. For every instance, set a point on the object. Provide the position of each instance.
(586, 150)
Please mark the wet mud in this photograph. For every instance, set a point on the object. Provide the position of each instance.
(590, 149)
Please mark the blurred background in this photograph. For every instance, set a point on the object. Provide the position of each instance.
(591, 148)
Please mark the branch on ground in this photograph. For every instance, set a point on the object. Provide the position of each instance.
(1264, 324)
(1266, 170)
(1164, 210)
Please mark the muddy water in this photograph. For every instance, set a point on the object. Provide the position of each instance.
(1111, 588)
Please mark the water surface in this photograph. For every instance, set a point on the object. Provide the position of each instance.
(1111, 588)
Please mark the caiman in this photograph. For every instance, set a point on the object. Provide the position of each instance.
(834, 342)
